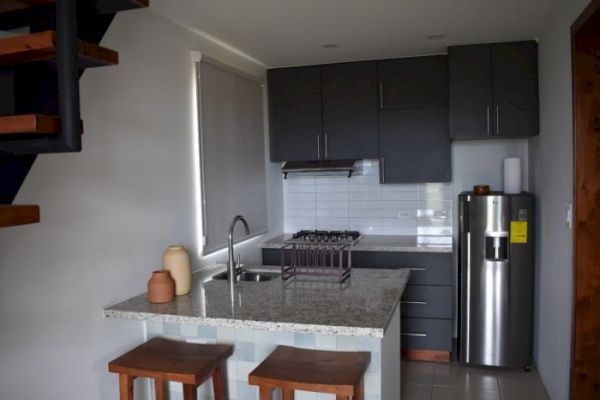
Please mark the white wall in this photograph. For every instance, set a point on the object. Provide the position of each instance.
(108, 213)
(551, 164)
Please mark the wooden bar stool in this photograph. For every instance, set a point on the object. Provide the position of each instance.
(168, 360)
(290, 369)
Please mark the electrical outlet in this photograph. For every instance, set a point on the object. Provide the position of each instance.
(569, 219)
(440, 214)
(404, 214)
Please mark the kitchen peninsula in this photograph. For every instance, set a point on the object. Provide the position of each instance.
(361, 313)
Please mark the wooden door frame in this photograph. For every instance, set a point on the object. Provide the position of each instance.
(585, 56)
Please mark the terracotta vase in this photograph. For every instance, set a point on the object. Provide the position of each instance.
(176, 260)
(161, 287)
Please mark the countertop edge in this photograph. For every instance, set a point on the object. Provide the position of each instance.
(247, 324)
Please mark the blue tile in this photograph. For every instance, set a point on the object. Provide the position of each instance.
(368, 343)
(246, 392)
(375, 364)
(244, 351)
(172, 329)
(306, 340)
(207, 332)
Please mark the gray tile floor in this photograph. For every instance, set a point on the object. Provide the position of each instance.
(430, 381)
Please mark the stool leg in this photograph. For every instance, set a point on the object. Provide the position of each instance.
(218, 387)
(126, 386)
(359, 391)
(266, 393)
(190, 392)
(160, 389)
(288, 394)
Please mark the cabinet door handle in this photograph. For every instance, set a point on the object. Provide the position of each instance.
(421, 303)
(382, 169)
(488, 120)
(326, 147)
(381, 95)
(414, 334)
(318, 146)
(497, 120)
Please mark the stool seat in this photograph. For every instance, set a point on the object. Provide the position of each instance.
(292, 368)
(169, 360)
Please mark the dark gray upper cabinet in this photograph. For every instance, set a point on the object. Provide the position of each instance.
(470, 91)
(494, 90)
(418, 82)
(515, 89)
(350, 111)
(415, 146)
(295, 121)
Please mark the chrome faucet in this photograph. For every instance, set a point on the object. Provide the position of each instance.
(232, 268)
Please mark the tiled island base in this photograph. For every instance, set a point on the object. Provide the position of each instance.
(382, 379)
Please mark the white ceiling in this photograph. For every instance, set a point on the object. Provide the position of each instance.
(292, 32)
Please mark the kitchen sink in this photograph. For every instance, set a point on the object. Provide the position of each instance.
(247, 276)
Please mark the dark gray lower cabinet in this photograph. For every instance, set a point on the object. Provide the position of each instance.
(426, 334)
(414, 145)
(427, 303)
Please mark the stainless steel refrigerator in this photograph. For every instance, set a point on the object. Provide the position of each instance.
(496, 279)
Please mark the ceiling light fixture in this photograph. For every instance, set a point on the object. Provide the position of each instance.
(331, 46)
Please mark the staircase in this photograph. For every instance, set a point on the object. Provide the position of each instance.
(39, 84)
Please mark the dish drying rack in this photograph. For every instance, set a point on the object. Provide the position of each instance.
(317, 259)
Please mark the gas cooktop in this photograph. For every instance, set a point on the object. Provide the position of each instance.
(325, 237)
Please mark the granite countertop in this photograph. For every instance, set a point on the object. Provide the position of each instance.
(393, 243)
(361, 306)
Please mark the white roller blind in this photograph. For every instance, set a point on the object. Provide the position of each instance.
(232, 157)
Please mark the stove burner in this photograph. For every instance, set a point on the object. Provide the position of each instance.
(326, 236)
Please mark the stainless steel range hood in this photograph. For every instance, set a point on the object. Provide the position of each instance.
(325, 167)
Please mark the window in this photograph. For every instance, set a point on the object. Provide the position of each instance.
(232, 152)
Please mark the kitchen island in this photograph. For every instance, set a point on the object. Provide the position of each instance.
(360, 314)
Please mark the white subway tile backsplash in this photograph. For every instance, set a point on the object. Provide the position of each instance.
(331, 188)
(332, 196)
(401, 195)
(295, 196)
(338, 213)
(362, 203)
(365, 213)
(332, 205)
(409, 187)
(300, 212)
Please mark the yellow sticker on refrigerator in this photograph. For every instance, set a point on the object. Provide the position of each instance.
(518, 231)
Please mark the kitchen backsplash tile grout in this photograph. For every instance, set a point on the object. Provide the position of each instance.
(362, 203)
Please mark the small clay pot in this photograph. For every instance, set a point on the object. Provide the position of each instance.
(161, 287)
(481, 190)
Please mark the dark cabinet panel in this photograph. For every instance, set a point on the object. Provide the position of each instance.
(494, 91)
(426, 334)
(470, 91)
(427, 302)
(414, 145)
(515, 89)
(295, 122)
(419, 82)
(350, 110)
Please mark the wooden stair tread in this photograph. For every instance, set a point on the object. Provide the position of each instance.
(29, 124)
(104, 6)
(42, 47)
(11, 215)
(14, 5)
